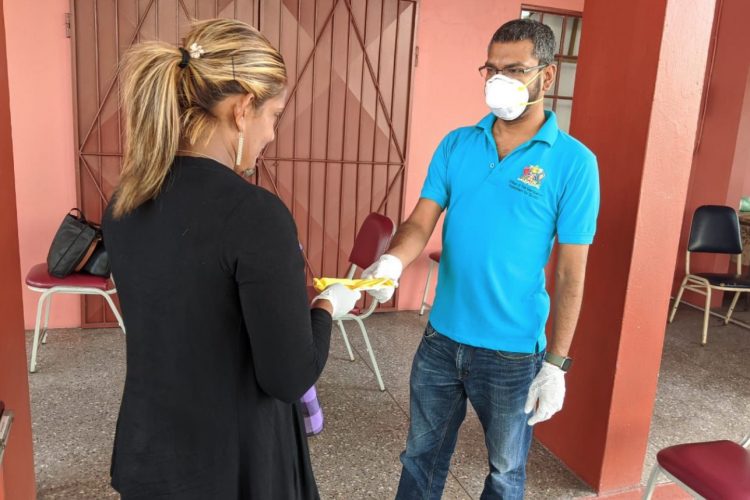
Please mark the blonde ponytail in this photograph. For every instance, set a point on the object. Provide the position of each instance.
(166, 102)
(152, 122)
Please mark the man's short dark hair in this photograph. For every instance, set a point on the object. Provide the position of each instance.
(540, 35)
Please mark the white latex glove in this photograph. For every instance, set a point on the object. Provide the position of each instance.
(342, 298)
(387, 266)
(546, 393)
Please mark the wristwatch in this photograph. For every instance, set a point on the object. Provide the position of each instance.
(562, 362)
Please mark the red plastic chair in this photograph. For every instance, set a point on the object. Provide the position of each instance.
(712, 470)
(371, 242)
(434, 260)
(39, 280)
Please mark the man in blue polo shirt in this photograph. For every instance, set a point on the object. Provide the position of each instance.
(510, 185)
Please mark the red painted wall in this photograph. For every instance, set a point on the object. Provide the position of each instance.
(637, 103)
(17, 474)
(742, 151)
(742, 148)
(722, 159)
(741, 162)
(39, 77)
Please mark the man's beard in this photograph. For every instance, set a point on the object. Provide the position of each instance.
(532, 98)
(537, 92)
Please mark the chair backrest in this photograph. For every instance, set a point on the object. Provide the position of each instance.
(372, 240)
(715, 229)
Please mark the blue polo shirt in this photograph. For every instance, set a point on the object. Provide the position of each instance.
(502, 217)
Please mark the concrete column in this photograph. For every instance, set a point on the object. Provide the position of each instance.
(17, 471)
(637, 97)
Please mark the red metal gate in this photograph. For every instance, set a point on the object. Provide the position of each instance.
(341, 145)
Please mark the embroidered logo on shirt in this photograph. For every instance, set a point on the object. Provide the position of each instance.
(532, 176)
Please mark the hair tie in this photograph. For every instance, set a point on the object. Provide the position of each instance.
(185, 58)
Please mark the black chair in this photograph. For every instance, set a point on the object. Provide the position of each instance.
(715, 229)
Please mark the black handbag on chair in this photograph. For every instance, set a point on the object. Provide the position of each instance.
(98, 263)
(73, 245)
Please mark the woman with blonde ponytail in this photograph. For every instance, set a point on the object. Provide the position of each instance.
(221, 342)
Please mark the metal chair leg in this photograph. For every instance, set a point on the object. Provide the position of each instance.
(706, 316)
(678, 299)
(37, 327)
(46, 319)
(111, 303)
(651, 485)
(731, 307)
(346, 340)
(372, 354)
(40, 332)
(427, 287)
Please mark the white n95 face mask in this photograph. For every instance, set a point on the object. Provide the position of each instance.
(506, 97)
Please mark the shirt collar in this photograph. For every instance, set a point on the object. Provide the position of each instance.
(548, 133)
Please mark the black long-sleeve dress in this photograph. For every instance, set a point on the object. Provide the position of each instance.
(220, 340)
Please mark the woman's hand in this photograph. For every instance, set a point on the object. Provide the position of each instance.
(337, 300)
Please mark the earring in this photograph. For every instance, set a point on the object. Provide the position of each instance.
(248, 172)
(240, 145)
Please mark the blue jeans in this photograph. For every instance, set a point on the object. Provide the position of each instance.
(443, 375)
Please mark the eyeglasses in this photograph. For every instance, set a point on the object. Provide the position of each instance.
(488, 71)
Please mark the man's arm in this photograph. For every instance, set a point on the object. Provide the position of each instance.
(569, 279)
(547, 391)
(412, 235)
(407, 244)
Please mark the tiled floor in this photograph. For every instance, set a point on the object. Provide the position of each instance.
(703, 393)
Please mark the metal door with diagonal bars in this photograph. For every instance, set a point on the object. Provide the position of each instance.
(340, 151)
